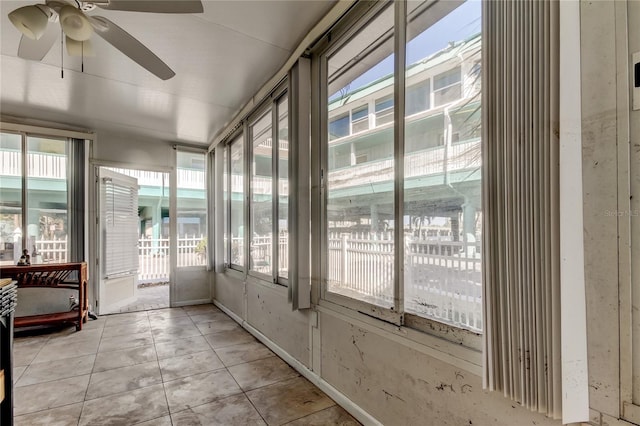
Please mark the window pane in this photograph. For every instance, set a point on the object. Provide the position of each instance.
(417, 98)
(191, 209)
(47, 200)
(384, 110)
(237, 202)
(261, 194)
(360, 176)
(339, 127)
(442, 209)
(10, 198)
(447, 86)
(225, 203)
(283, 188)
(360, 119)
(446, 78)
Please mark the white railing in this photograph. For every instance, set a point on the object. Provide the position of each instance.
(282, 144)
(54, 166)
(153, 259)
(153, 254)
(443, 278)
(261, 254)
(51, 251)
(192, 251)
(50, 166)
(186, 178)
(460, 156)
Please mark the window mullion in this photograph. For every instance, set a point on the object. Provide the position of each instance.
(398, 139)
(227, 224)
(25, 198)
(275, 237)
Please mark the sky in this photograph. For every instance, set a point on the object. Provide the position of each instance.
(463, 22)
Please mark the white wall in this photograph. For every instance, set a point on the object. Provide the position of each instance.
(634, 47)
(605, 154)
(139, 153)
(398, 384)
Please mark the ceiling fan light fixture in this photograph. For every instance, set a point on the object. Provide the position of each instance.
(79, 48)
(30, 21)
(75, 24)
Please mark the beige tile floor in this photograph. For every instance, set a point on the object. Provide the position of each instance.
(179, 366)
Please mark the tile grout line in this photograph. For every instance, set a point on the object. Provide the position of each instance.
(164, 390)
(155, 343)
(84, 399)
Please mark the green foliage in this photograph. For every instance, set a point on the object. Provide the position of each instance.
(202, 246)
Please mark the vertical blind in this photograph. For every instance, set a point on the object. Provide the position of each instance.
(521, 262)
(76, 188)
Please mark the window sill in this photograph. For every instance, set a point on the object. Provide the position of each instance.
(235, 274)
(456, 354)
(264, 282)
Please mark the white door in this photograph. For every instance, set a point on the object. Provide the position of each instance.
(118, 240)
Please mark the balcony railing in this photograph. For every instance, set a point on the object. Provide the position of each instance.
(52, 166)
(461, 156)
(443, 278)
(153, 255)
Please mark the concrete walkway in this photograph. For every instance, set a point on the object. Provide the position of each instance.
(153, 297)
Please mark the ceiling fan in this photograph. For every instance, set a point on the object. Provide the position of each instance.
(78, 26)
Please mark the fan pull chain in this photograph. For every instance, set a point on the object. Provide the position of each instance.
(82, 53)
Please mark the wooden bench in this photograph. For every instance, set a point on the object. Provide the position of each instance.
(68, 276)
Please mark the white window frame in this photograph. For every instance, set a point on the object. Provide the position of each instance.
(270, 106)
(435, 91)
(393, 314)
(236, 138)
(26, 132)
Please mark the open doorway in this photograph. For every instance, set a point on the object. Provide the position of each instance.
(134, 240)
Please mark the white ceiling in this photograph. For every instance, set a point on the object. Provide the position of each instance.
(221, 58)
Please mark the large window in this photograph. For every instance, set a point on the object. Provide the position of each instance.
(41, 226)
(283, 187)
(269, 207)
(236, 204)
(443, 217)
(434, 236)
(225, 203)
(10, 199)
(359, 203)
(261, 207)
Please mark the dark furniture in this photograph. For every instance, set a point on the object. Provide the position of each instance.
(8, 297)
(69, 276)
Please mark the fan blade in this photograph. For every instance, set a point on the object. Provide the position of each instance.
(130, 46)
(35, 50)
(161, 6)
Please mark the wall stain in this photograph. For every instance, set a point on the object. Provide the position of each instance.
(444, 385)
(353, 340)
(392, 395)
